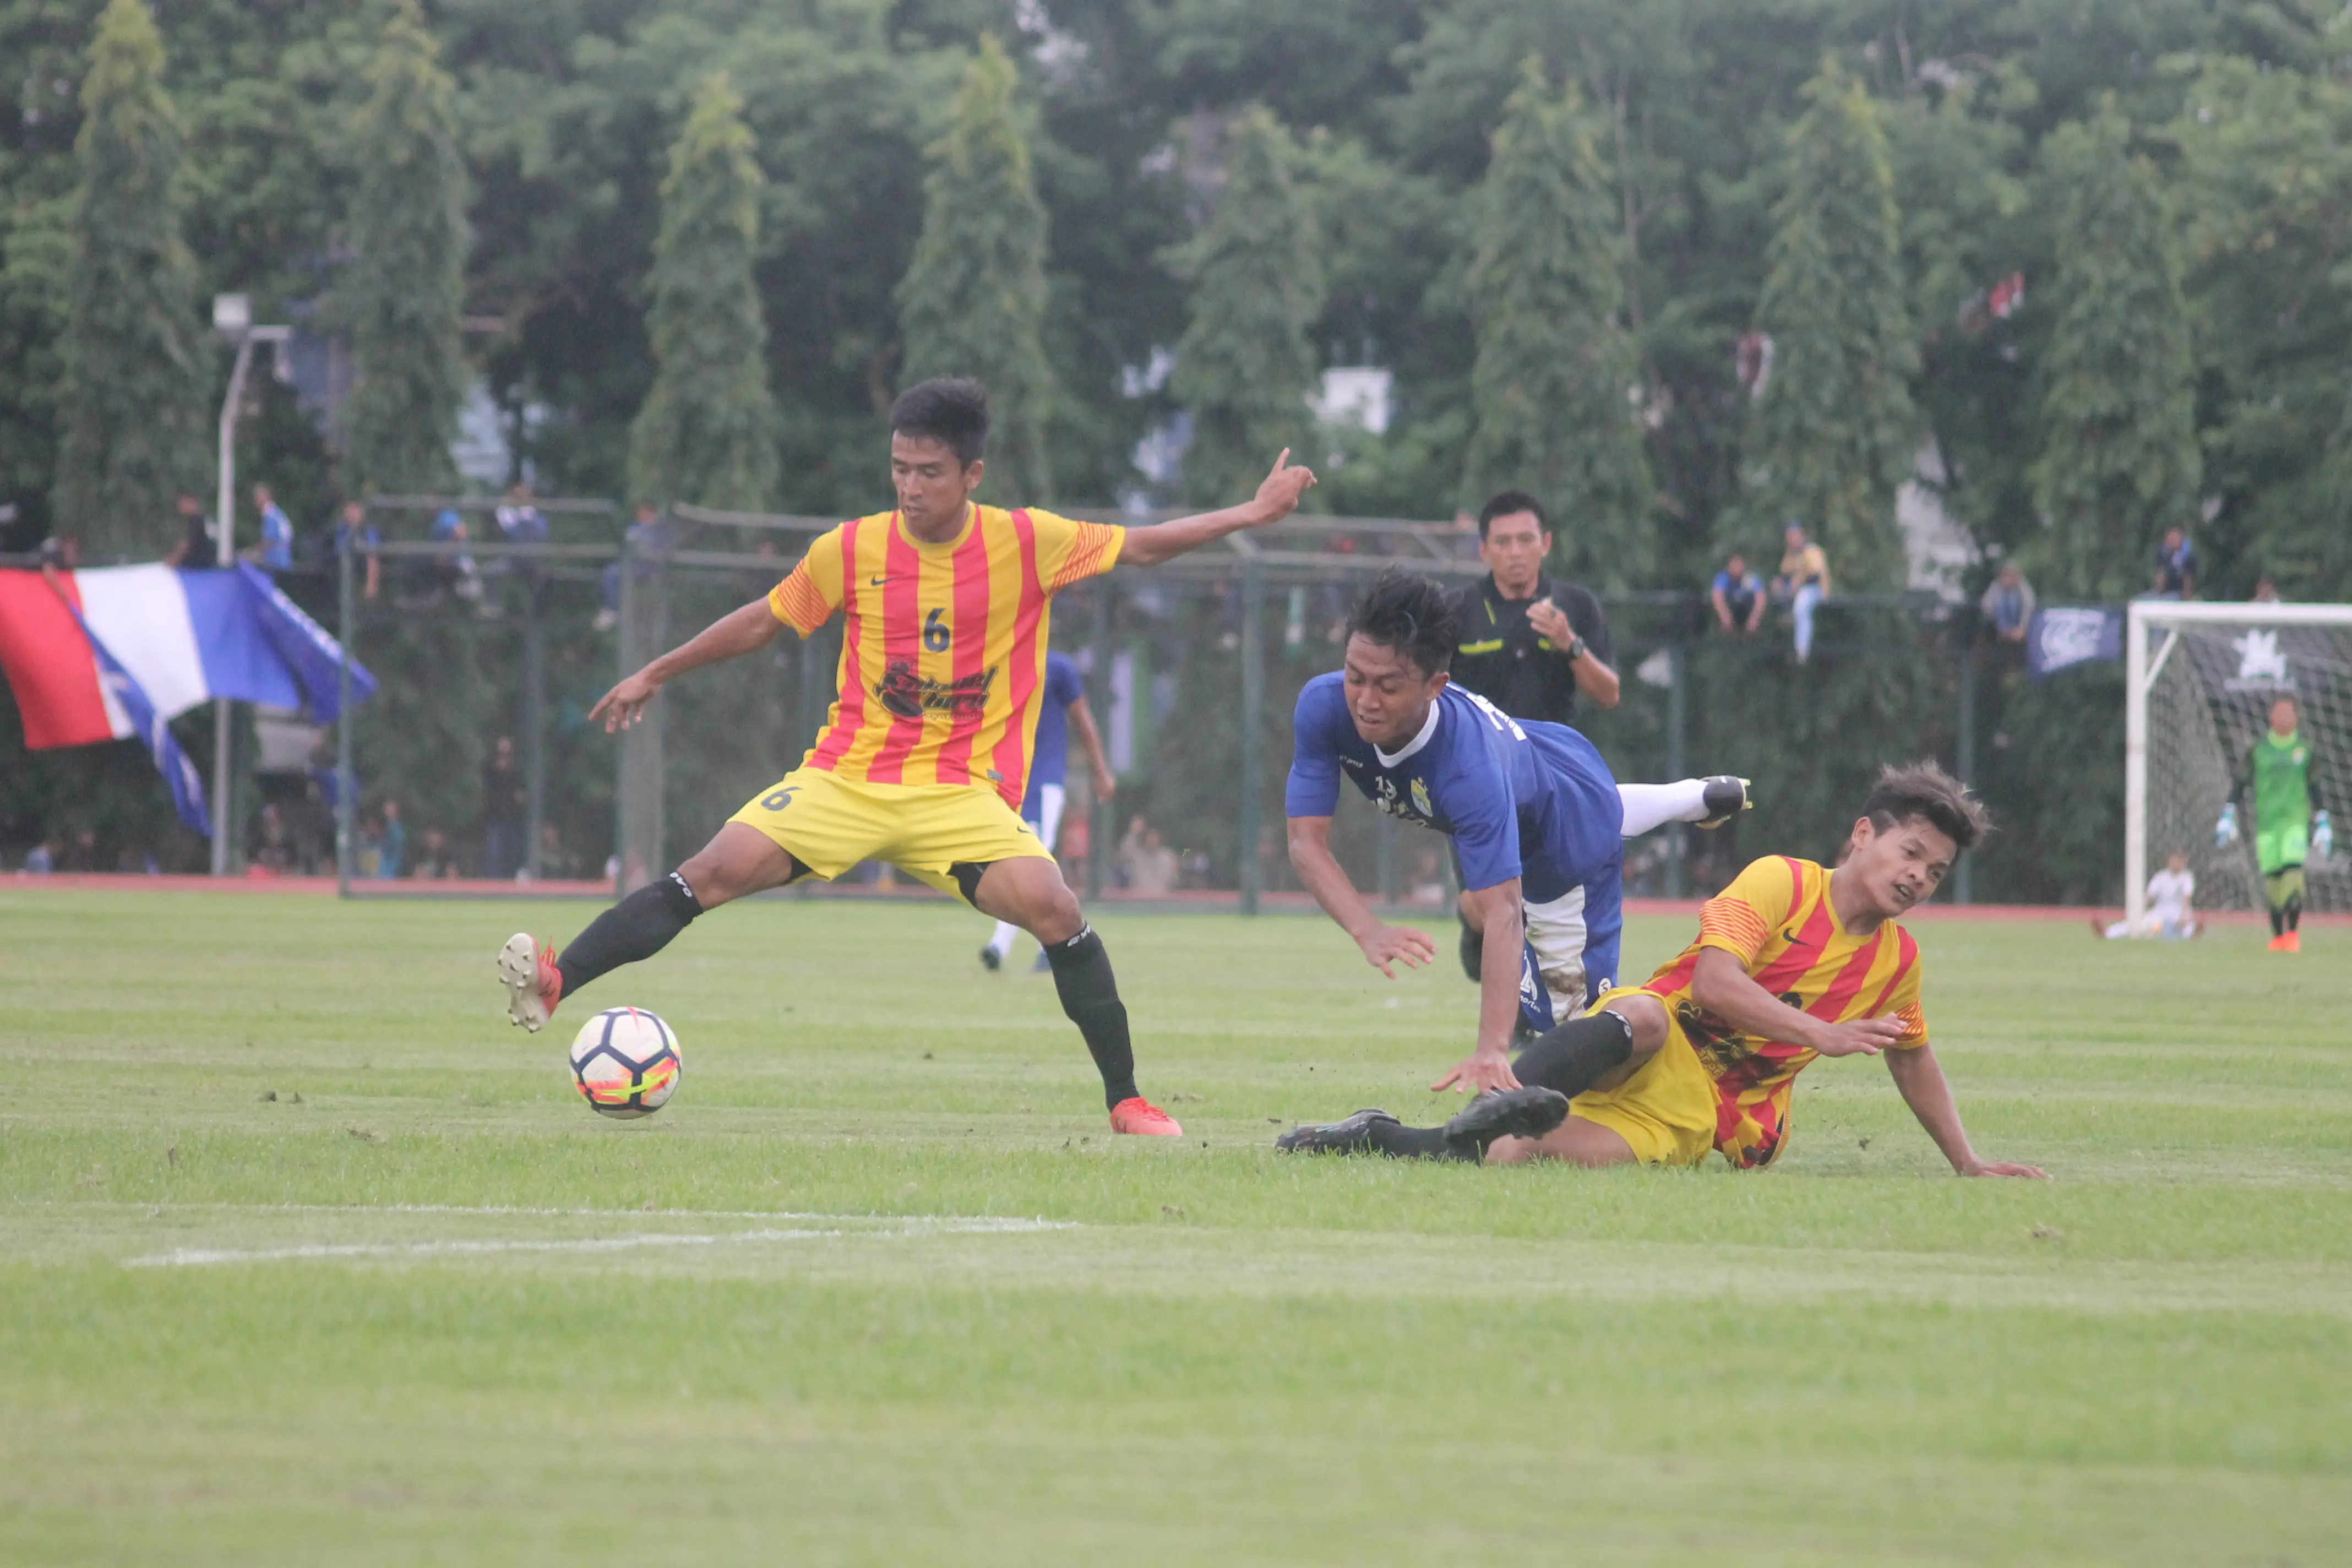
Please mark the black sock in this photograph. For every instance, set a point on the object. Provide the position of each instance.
(2294, 911)
(637, 927)
(2278, 920)
(1418, 1143)
(1090, 993)
(1573, 1055)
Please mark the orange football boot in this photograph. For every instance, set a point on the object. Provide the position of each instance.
(1138, 1115)
(527, 969)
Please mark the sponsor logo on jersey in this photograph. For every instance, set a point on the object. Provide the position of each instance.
(1421, 799)
(910, 696)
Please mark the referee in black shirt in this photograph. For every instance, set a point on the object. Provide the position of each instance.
(1529, 644)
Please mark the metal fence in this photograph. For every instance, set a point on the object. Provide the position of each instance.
(1192, 670)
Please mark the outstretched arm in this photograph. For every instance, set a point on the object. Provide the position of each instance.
(1276, 499)
(1502, 928)
(1383, 945)
(1722, 986)
(1083, 722)
(733, 634)
(1921, 1082)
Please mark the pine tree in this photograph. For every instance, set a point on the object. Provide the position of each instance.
(136, 381)
(973, 300)
(1834, 433)
(402, 297)
(1556, 387)
(2119, 461)
(1245, 366)
(706, 433)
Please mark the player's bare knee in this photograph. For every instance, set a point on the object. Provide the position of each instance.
(1057, 918)
(1645, 1019)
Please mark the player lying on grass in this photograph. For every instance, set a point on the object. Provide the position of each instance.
(925, 757)
(1792, 961)
(1532, 811)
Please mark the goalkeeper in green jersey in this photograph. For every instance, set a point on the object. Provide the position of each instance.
(2277, 775)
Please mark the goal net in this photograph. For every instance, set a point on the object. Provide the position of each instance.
(2200, 680)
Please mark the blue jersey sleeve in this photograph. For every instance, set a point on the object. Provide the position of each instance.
(1063, 684)
(1314, 787)
(1475, 797)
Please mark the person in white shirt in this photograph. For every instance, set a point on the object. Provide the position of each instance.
(2171, 896)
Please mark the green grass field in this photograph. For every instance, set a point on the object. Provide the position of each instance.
(310, 1257)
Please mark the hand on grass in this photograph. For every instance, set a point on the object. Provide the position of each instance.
(1387, 945)
(1484, 1069)
(2002, 1168)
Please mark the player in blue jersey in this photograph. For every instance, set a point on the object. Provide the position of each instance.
(1062, 708)
(1534, 814)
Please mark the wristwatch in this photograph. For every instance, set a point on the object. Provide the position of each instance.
(1576, 648)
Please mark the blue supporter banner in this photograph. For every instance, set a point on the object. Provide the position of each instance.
(2061, 636)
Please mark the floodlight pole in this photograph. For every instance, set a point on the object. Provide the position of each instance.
(232, 318)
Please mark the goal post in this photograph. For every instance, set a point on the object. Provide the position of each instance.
(2200, 679)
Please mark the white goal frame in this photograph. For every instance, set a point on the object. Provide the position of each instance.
(2144, 617)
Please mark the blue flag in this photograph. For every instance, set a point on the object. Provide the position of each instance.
(2063, 635)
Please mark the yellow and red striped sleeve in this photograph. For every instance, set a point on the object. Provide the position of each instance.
(1742, 918)
(1071, 552)
(812, 590)
(1902, 997)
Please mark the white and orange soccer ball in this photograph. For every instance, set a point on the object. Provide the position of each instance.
(625, 1062)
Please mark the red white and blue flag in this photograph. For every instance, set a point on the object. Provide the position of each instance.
(113, 653)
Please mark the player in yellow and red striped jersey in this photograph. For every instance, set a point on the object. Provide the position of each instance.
(1792, 961)
(945, 606)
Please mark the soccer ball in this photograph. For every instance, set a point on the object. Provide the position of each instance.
(626, 1061)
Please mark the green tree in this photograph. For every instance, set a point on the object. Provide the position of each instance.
(973, 300)
(402, 297)
(135, 382)
(1835, 432)
(706, 433)
(1557, 386)
(2119, 461)
(1245, 365)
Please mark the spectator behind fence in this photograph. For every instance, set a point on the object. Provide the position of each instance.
(646, 537)
(391, 843)
(504, 800)
(199, 535)
(275, 553)
(554, 859)
(434, 862)
(1529, 644)
(354, 532)
(1738, 597)
(80, 853)
(2265, 590)
(2176, 566)
(41, 860)
(2008, 603)
(454, 567)
(1802, 584)
(1148, 865)
(521, 522)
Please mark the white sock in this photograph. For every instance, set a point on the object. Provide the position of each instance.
(1000, 943)
(1655, 805)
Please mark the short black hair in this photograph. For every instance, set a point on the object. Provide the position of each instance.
(1504, 503)
(950, 409)
(1411, 614)
(1923, 792)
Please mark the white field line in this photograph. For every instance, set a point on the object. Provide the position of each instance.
(907, 1226)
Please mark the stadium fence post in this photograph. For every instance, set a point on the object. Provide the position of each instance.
(1963, 880)
(1099, 835)
(639, 810)
(346, 615)
(1253, 711)
(2135, 763)
(534, 725)
(1677, 729)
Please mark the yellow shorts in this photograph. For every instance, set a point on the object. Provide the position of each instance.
(1665, 1111)
(830, 823)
